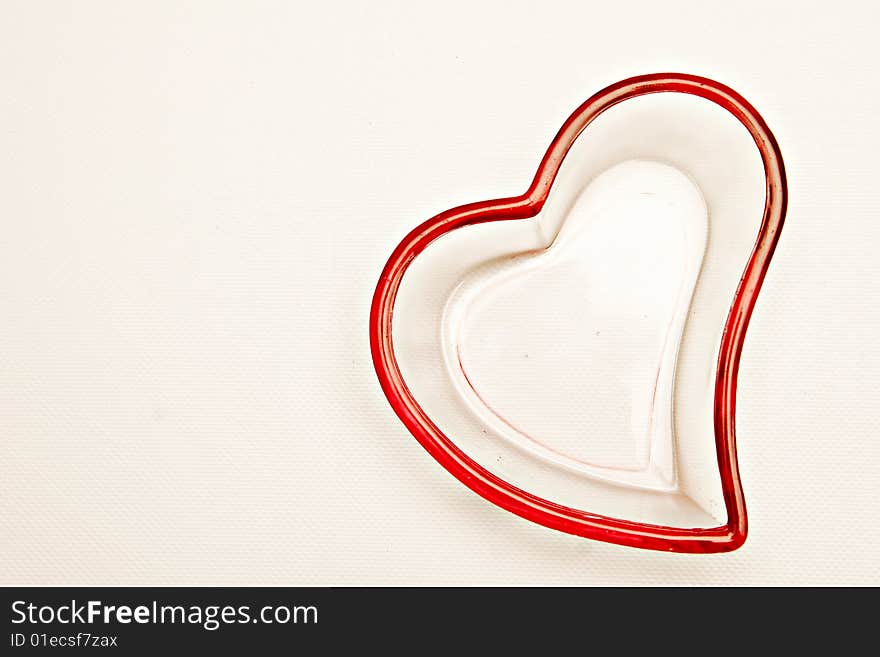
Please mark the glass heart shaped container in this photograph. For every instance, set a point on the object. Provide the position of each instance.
(571, 354)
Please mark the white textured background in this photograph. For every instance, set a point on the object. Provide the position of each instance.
(196, 199)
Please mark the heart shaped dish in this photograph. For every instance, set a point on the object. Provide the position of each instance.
(570, 353)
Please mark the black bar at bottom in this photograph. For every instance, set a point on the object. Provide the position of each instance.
(352, 620)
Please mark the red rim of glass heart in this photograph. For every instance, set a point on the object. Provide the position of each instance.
(725, 538)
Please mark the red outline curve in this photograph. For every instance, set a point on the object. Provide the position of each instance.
(573, 521)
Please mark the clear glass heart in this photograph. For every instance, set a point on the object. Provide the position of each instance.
(574, 354)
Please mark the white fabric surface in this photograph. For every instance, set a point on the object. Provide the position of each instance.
(197, 199)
